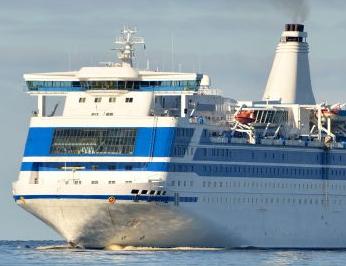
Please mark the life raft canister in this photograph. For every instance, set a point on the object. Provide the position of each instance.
(111, 199)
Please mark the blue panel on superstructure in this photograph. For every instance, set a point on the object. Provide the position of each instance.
(154, 142)
(94, 166)
(150, 141)
(38, 141)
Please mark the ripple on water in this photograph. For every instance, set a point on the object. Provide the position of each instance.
(58, 253)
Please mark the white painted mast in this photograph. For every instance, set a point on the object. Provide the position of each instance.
(289, 79)
(127, 41)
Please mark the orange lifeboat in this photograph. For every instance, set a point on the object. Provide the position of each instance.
(336, 112)
(245, 117)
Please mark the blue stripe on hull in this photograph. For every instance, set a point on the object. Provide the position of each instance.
(201, 169)
(106, 197)
(93, 166)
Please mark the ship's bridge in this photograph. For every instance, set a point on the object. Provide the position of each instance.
(112, 78)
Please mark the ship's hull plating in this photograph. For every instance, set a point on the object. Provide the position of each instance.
(97, 224)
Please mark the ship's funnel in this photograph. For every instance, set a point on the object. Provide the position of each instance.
(289, 78)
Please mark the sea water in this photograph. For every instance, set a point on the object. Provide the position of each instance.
(58, 253)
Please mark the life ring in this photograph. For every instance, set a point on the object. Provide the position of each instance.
(111, 200)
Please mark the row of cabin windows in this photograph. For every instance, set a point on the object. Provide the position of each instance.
(255, 170)
(229, 153)
(110, 182)
(182, 183)
(181, 150)
(267, 170)
(111, 99)
(93, 182)
(272, 200)
(261, 185)
(221, 153)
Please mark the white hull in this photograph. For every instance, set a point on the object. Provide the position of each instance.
(97, 223)
(232, 222)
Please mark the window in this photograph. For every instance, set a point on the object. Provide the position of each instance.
(111, 182)
(112, 99)
(128, 100)
(93, 141)
(111, 167)
(94, 182)
(97, 100)
(82, 100)
(109, 114)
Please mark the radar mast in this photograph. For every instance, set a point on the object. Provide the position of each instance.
(126, 43)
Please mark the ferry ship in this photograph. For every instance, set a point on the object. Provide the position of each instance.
(162, 159)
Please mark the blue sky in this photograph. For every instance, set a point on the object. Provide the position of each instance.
(232, 41)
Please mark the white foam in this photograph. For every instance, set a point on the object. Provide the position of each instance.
(133, 248)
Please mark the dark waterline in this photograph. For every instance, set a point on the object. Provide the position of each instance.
(58, 253)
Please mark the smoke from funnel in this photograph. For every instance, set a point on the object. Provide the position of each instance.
(297, 10)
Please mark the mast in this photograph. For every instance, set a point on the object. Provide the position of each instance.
(126, 43)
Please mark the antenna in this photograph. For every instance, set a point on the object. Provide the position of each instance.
(126, 42)
(69, 60)
(172, 53)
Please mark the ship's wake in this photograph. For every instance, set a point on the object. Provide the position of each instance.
(134, 248)
(128, 248)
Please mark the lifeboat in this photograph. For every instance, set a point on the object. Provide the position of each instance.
(245, 116)
(336, 112)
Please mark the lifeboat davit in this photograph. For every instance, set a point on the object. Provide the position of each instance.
(245, 117)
